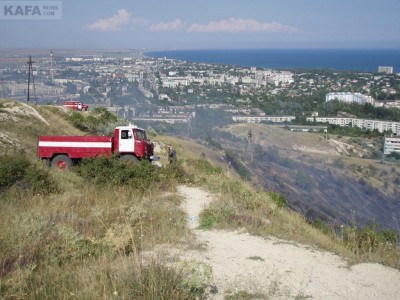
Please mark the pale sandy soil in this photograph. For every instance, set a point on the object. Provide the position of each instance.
(278, 269)
(20, 111)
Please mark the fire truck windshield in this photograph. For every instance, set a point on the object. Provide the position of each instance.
(140, 135)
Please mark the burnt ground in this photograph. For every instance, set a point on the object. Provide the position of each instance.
(323, 193)
(320, 183)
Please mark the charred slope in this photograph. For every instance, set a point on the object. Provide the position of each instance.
(322, 193)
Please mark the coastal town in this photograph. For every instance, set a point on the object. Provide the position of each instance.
(138, 87)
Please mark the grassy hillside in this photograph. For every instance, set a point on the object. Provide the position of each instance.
(84, 234)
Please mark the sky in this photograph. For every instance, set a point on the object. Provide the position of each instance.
(202, 24)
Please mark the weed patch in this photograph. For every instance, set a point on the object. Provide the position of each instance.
(279, 199)
(244, 295)
(259, 258)
(207, 220)
(156, 281)
(370, 243)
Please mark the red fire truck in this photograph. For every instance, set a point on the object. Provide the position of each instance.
(129, 143)
(77, 105)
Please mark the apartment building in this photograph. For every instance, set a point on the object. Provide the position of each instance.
(259, 119)
(349, 97)
(381, 126)
(392, 144)
(385, 69)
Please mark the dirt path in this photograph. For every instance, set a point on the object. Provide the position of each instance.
(279, 269)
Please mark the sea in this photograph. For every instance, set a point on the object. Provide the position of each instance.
(359, 60)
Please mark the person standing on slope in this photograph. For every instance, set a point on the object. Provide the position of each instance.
(171, 154)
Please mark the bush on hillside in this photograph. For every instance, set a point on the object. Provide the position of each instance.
(175, 172)
(140, 176)
(17, 170)
(278, 198)
(97, 121)
(77, 120)
(12, 169)
(116, 172)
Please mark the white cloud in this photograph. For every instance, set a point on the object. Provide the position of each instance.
(231, 25)
(113, 23)
(175, 25)
(234, 25)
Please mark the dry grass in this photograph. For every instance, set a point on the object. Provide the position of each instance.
(239, 206)
(86, 242)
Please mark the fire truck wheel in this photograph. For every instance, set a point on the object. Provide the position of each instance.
(130, 159)
(61, 163)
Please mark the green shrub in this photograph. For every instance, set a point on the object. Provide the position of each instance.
(12, 169)
(323, 226)
(117, 172)
(18, 170)
(207, 221)
(175, 172)
(141, 176)
(217, 214)
(279, 199)
(77, 120)
(40, 181)
(97, 121)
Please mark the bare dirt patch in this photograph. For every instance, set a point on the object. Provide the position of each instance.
(278, 269)
(11, 111)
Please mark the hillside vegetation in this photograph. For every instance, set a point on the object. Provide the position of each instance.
(84, 234)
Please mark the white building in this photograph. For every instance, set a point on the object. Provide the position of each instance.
(385, 69)
(381, 126)
(350, 98)
(395, 104)
(174, 81)
(259, 119)
(392, 144)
